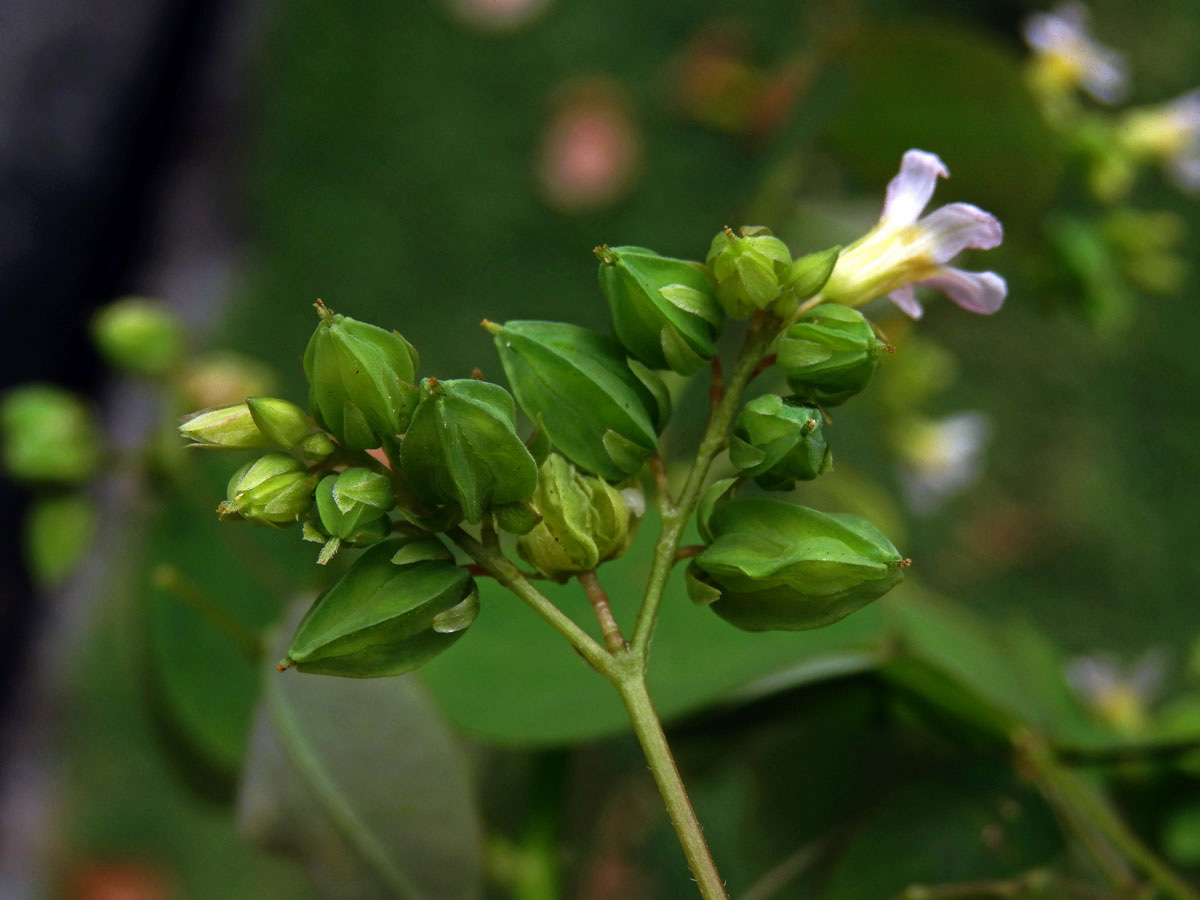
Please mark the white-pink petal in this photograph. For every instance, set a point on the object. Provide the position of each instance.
(906, 298)
(979, 292)
(1052, 31)
(956, 227)
(909, 192)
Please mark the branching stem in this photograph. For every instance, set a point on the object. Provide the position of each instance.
(624, 665)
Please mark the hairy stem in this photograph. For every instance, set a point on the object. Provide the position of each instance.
(670, 785)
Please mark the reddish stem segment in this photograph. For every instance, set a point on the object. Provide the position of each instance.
(717, 391)
(608, 624)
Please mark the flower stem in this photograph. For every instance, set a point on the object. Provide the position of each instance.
(613, 639)
(759, 337)
(670, 785)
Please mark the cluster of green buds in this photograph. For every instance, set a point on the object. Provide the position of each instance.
(380, 452)
(377, 452)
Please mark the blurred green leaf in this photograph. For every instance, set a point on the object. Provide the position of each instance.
(202, 688)
(360, 782)
(961, 824)
(996, 674)
(58, 533)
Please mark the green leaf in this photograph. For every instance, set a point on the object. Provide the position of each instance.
(363, 785)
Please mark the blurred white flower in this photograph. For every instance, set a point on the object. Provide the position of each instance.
(906, 249)
(941, 458)
(1169, 134)
(1068, 57)
(1118, 695)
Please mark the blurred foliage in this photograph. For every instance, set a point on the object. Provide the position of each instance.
(392, 171)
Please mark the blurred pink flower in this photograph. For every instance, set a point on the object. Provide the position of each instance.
(497, 15)
(590, 149)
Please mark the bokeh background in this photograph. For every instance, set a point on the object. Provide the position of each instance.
(423, 165)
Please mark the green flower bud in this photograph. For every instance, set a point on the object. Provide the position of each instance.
(274, 490)
(284, 423)
(225, 428)
(777, 442)
(462, 448)
(601, 412)
(752, 269)
(139, 335)
(585, 521)
(775, 566)
(47, 434)
(317, 446)
(664, 311)
(352, 507)
(829, 354)
(809, 273)
(401, 604)
(360, 380)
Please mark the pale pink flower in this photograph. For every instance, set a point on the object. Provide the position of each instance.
(907, 249)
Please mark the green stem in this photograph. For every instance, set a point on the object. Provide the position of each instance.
(670, 785)
(510, 576)
(1065, 789)
(761, 335)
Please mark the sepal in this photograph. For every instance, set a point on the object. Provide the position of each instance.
(385, 617)
(779, 566)
(462, 449)
(829, 354)
(664, 311)
(275, 490)
(360, 380)
(778, 442)
(598, 412)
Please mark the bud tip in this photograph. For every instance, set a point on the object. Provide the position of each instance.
(322, 310)
(491, 327)
(604, 254)
(283, 664)
(904, 563)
